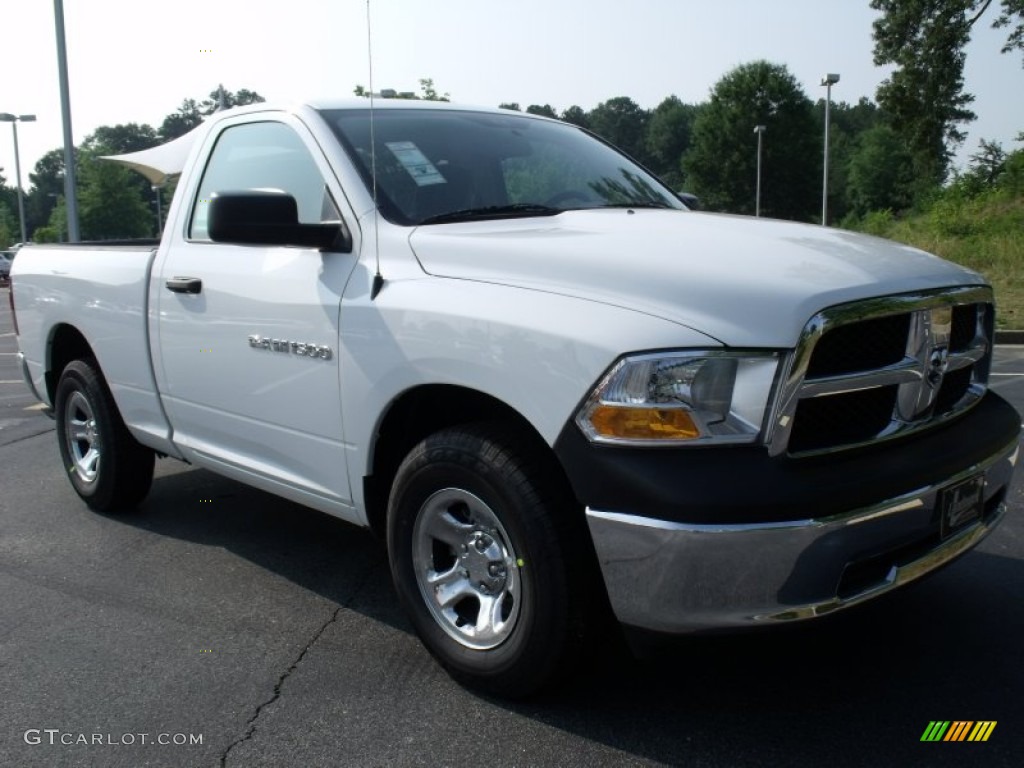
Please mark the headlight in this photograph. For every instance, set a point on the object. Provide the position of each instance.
(681, 397)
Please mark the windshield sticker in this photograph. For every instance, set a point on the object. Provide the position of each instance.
(415, 162)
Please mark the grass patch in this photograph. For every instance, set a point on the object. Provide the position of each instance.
(984, 233)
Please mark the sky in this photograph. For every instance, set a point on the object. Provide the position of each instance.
(137, 60)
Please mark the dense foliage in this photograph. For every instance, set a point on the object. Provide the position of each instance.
(924, 97)
(975, 220)
(720, 166)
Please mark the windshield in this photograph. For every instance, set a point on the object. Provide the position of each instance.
(435, 166)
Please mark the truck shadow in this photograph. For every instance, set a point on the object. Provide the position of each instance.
(315, 551)
(870, 679)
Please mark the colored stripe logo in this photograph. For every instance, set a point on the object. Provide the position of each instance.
(958, 730)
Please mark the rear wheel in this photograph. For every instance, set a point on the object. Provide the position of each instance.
(108, 468)
(484, 558)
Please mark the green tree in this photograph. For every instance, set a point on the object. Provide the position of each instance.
(721, 164)
(120, 139)
(924, 96)
(881, 173)
(842, 146)
(8, 222)
(47, 183)
(109, 204)
(849, 121)
(186, 117)
(575, 115)
(427, 92)
(54, 231)
(510, 105)
(9, 227)
(6, 193)
(984, 174)
(1011, 181)
(1011, 16)
(190, 113)
(989, 162)
(220, 95)
(621, 121)
(545, 110)
(668, 137)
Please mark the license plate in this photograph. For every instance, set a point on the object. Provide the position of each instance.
(961, 504)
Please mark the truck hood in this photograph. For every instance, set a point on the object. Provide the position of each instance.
(744, 281)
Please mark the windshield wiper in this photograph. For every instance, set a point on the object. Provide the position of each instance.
(492, 212)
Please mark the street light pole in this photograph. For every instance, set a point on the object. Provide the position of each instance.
(70, 193)
(759, 130)
(7, 117)
(828, 81)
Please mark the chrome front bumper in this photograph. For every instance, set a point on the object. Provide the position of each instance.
(678, 577)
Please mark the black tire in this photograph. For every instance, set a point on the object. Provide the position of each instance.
(107, 467)
(538, 603)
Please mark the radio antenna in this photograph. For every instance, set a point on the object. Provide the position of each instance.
(378, 278)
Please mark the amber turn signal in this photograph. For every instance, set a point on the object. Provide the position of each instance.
(643, 423)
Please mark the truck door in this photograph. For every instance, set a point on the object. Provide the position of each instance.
(245, 337)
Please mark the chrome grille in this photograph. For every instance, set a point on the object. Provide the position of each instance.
(882, 368)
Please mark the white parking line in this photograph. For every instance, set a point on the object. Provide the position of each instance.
(11, 381)
(1006, 374)
(5, 335)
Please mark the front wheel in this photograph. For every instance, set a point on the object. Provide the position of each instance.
(482, 549)
(108, 468)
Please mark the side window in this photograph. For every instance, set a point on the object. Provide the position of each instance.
(263, 156)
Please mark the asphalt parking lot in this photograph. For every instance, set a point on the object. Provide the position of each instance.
(272, 634)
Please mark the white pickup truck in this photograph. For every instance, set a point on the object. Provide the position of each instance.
(550, 387)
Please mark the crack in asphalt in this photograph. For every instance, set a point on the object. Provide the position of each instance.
(22, 438)
(250, 726)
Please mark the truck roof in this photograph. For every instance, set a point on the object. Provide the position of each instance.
(381, 102)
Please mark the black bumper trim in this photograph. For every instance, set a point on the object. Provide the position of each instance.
(744, 485)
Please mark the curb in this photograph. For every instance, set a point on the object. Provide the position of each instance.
(1009, 337)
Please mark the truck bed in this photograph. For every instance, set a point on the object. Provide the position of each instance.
(105, 302)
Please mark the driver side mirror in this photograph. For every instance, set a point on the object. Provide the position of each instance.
(269, 217)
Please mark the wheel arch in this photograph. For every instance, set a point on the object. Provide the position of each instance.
(421, 411)
(66, 343)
